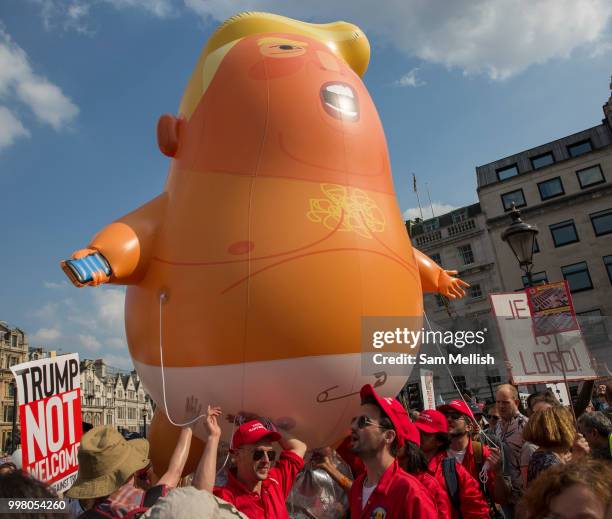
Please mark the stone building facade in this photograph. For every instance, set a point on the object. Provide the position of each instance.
(13, 350)
(564, 187)
(459, 240)
(110, 397)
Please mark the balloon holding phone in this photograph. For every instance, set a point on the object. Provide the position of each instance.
(87, 267)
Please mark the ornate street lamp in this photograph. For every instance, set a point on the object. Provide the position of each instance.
(144, 421)
(520, 236)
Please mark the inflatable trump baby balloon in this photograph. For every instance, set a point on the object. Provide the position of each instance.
(277, 230)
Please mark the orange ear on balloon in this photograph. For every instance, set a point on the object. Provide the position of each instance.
(168, 128)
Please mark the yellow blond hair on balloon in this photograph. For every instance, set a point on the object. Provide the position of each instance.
(276, 232)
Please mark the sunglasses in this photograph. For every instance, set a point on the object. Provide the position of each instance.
(260, 453)
(363, 421)
(455, 416)
(492, 417)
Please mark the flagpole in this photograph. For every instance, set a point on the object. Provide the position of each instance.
(414, 187)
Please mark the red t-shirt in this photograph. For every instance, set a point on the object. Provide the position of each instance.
(398, 495)
(438, 494)
(270, 504)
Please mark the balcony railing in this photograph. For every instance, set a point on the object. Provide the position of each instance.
(461, 227)
(451, 231)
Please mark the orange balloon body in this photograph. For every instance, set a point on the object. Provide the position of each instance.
(277, 230)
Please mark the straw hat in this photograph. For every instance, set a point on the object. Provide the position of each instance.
(106, 461)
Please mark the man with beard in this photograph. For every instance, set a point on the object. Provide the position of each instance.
(473, 455)
(384, 490)
(467, 501)
(254, 487)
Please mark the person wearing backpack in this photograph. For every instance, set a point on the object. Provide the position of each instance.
(474, 454)
(467, 500)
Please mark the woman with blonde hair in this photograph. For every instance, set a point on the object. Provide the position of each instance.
(553, 431)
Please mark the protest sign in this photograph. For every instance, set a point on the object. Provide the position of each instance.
(49, 396)
(552, 309)
(535, 359)
(427, 389)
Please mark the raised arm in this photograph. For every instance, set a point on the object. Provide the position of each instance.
(173, 474)
(126, 244)
(435, 279)
(292, 444)
(204, 478)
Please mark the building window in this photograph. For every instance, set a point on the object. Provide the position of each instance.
(440, 300)
(551, 188)
(461, 383)
(8, 413)
(602, 222)
(475, 291)
(14, 341)
(431, 225)
(513, 196)
(564, 233)
(577, 276)
(580, 148)
(592, 325)
(436, 257)
(540, 161)
(537, 278)
(608, 263)
(131, 413)
(507, 172)
(590, 176)
(536, 246)
(467, 256)
(459, 216)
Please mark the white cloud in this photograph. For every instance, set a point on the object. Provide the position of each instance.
(410, 79)
(19, 81)
(47, 313)
(118, 361)
(499, 39)
(116, 343)
(11, 128)
(89, 342)
(109, 305)
(438, 210)
(160, 8)
(45, 335)
(53, 284)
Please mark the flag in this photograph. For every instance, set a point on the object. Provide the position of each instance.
(414, 187)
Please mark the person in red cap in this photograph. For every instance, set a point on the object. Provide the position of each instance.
(384, 490)
(413, 460)
(464, 493)
(474, 455)
(254, 487)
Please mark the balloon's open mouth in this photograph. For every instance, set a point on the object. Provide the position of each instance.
(340, 101)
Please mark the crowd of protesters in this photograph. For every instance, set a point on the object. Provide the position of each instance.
(461, 460)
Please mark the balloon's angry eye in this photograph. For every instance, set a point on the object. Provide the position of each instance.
(275, 48)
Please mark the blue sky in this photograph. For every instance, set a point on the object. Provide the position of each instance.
(82, 83)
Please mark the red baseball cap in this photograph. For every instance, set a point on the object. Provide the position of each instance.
(459, 406)
(252, 432)
(409, 430)
(431, 422)
(393, 409)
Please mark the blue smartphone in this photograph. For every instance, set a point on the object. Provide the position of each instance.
(81, 270)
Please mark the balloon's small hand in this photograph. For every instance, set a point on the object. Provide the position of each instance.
(450, 286)
(98, 276)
